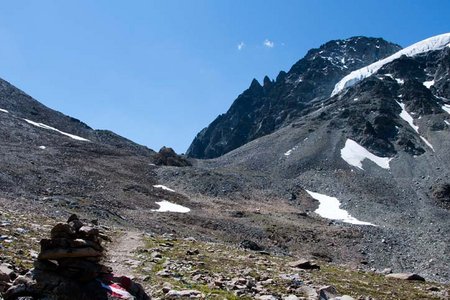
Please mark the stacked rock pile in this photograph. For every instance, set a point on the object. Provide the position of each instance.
(69, 267)
(74, 251)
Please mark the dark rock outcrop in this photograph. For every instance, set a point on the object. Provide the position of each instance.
(262, 109)
(167, 157)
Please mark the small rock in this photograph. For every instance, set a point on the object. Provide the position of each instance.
(266, 297)
(327, 292)
(190, 239)
(192, 252)
(21, 230)
(167, 286)
(173, 294)
(6, 273)
(309, 292)
(163, 273)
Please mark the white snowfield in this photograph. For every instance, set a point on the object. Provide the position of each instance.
(4, 110)
(410, 120)
(166, 206)
(41, 125)
(163, 187)
(434, 43)
(354, 154)
(329, 209)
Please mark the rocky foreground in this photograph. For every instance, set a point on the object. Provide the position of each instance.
(175, 267)
(69, 266)
(178, 267)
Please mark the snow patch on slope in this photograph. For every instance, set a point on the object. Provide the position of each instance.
(427, 142)
(287, 153)
(41, 125)
(446, 108)
(428, 84)
(434, 43)
(163, 187)
(408, 118)
(354, 154)
(329, 208)
(166, 206)
(399, 81)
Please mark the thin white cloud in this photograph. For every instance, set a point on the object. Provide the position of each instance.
(241, 46)
(268, 43)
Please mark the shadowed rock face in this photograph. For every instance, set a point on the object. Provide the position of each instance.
(262, 109)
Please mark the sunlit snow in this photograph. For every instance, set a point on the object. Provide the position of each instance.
(399, 81)
(160, 186)
(354, 154)
(329, 209)
(434, 43)
(446, 108)
(42, 147)
(287, 153)
(166, 206)
(41, 125)
(427, 142)
(4, 110)
(408, 118)
(428, 84)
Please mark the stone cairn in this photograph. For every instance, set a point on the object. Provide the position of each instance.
(69, 267)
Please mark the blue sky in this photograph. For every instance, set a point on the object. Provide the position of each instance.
(157, 72)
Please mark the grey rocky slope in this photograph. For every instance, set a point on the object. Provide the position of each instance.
(257, 192)
(399, 113)
(262, 109)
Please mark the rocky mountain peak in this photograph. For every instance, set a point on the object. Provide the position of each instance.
(261, 110)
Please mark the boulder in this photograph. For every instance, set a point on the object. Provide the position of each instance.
(304, 264)
(327, 292)
(247, 244)
(168, 157)
(406, 276)
(6, 273)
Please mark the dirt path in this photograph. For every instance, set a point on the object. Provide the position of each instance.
(120, 254)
